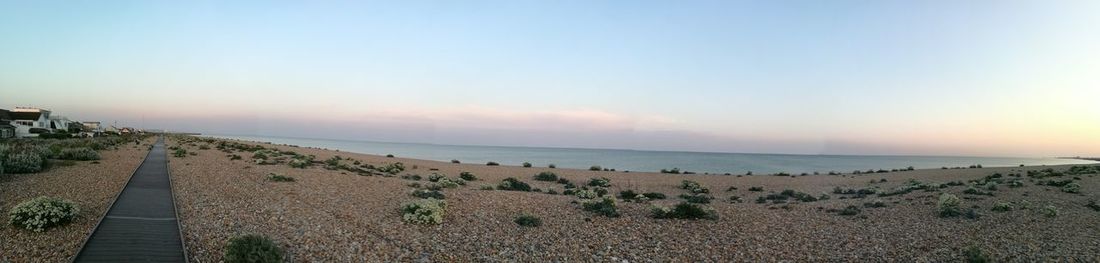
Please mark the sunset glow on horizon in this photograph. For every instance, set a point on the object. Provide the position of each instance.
(990, 78)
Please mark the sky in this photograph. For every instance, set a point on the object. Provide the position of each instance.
(992, 78)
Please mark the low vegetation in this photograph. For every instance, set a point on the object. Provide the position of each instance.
(424, 211)
(79, 154)
(603, 206)
(949, 205)
(546, 176)
(467, 176)
(279, 178)
(252, 248)
(528, 220)
(426, 193)
(43, 212)
(684, 210)
(599, 182)
(693, 187)
(513, 184)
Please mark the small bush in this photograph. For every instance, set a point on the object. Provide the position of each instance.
(180, 153)
(513, 184)
(974, 255)
(949, 205)
(491, 163)
(79, 154)
(694, 187)
(1002, 207)
(698, 198)
(599, 182)
(756, 189)
(586, 194)
(850, 211)
(252, 248)
(424, 193)
(467, 176)
(605, 206)
(654, 195)
(42, 212)
(595, 168)
(1093, 205)
(299, 163)
(1049, 211)
(528, 220)
(434, 177)
(24, 162)
(389, 156)
(546, 176)
(552, 166)
(526, 165)
(1072, 188)
(279, 178)
(486, 187)
(455, 161)
(424, 211)
(684, 210)
(627, 194)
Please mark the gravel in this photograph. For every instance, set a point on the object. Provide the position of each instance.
(332, 215)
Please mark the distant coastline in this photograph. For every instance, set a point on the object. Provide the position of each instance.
(654, 161)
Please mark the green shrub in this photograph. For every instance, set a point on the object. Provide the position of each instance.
(850, 211)
(486, 187)
(605, 206)
(654, 195)
(434, 177)
(756, 189)
(252, 248)
(599, 182)
(279, 178)
(424, 211)
(528, 220)
(628, 194)
(1049, 211)
(974, 255)
(1072, 188)
(546, 176)
(79, 154)
(299, 163)
(595, 168)
(259, 155)
(526, 165)
(697, 198)
(684, 210)
(585, 194)
(24, 162)
(1002, 207)
(513, 184)
(949, 205)
(424, 193)
(42, 212)
(180, 153)
(694, 187)
(491, 163)
(467, 176)
(1093, 205)
(877, 203)
(552, 166)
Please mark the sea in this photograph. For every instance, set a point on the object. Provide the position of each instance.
(653, 161)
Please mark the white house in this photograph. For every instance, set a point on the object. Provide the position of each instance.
(29, 122)
(63, 124)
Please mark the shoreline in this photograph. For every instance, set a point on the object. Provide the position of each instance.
(864, 170)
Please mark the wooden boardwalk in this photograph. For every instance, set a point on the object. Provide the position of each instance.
(141, 225)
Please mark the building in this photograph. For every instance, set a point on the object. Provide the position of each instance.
(63, 124)
(29, 122)
(7, 130)
(91, 129)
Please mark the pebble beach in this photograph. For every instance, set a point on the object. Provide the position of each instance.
(338, 215)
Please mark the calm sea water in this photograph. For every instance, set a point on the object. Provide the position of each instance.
(651, 161)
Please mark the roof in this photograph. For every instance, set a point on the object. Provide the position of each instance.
(25, 115)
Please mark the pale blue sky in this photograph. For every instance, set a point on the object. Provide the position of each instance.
(878, 77)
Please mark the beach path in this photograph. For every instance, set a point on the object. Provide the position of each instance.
(141, 225)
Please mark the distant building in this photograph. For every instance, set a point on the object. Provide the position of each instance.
(91, 129)
(63, 124)
(29, 122)
(7, 130)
